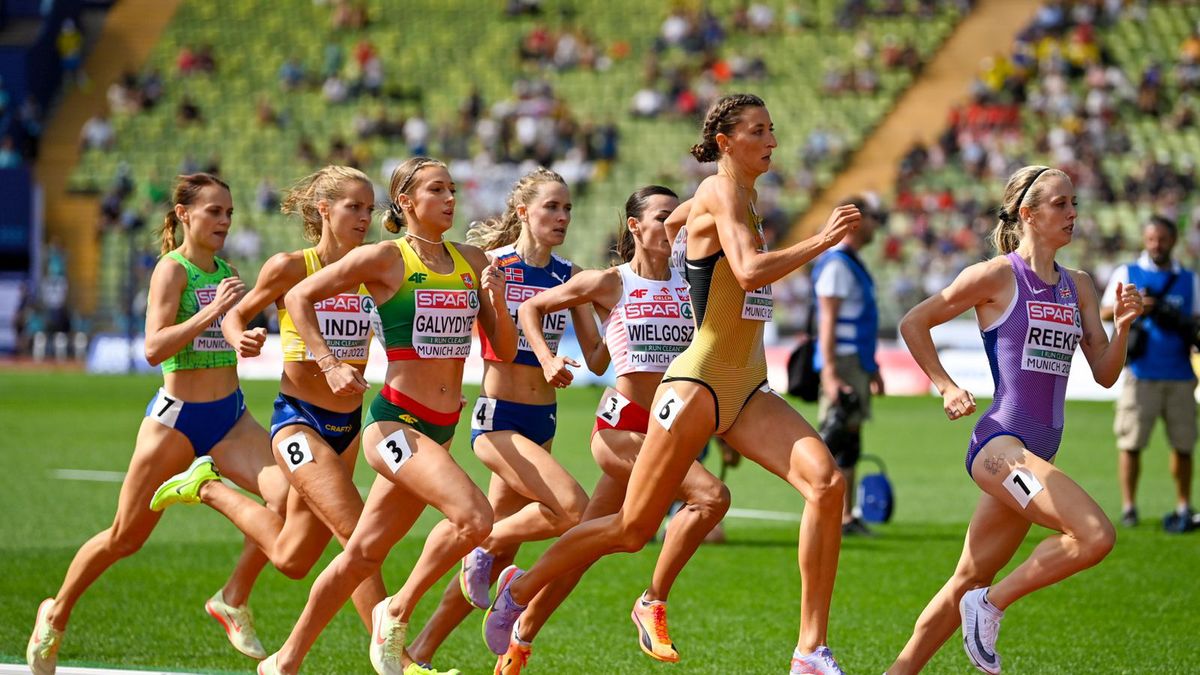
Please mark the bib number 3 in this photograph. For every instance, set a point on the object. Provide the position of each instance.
(295, 451)
(394, 450)
(668, 408)
(1022, 485)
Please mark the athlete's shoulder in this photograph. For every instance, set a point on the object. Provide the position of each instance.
(475, 256)
(284, 265)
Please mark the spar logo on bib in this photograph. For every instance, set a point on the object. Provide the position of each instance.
(446, 299)
(653, 310)
(211, 339)
(518, 293)
(1054, 332)
(342, 303)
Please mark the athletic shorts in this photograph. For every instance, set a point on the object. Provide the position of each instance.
(204, 424)
(850, 369)
(392, 406)
(617, 412)
(535, 422)
(337, 428)
(1142, 402)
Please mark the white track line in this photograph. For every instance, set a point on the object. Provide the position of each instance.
(118, 476)
(11, 669)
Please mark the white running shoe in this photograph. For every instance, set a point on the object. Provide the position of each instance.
(980, 627)
(269, 666)
(387, 640)
(238, 623)
(820, 661)
(42, 652)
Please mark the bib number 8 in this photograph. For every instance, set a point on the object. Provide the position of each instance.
(295, 451)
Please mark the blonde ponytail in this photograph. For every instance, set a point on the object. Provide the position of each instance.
(328, 184)
(496, 232)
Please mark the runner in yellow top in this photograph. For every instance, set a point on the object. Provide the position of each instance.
(314, 432)
(198, 414)
(729, 272)
(429, 292)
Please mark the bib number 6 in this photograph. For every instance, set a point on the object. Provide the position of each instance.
(668, 408)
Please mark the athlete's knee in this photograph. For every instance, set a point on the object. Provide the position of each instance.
(572, 508)
(633, 535)
(358, 562)
(1097, 542)
(122, 543)
(473, 524)
(294, 568)
(712, 500)
(827, 490)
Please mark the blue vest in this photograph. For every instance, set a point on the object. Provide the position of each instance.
(866, 324)
(1168, 355)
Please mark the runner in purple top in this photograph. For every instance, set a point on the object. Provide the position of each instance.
(1032, 314)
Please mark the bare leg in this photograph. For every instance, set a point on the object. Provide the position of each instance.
(555, 499)
(995, 533)
(1129, 467)
(772, 434)
(1181, 471)
(848, 502)
(160, 452)
(706, 501)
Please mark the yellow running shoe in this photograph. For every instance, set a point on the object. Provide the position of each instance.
(42, 652)
(651, 621)
(512, 661)
(415, 668)
(238, 623)
(184, 488)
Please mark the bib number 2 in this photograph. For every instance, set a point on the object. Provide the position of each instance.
(295, 451)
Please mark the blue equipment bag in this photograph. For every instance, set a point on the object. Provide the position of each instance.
(875, 498)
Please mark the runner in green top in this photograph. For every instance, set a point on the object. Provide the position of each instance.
(198, 414)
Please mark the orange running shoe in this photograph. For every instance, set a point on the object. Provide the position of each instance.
(651, 621)
(512, 661)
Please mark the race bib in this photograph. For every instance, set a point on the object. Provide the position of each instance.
(165, 409)
(484, 416)
(611, 405)
(346, 322)
(553, 324)
(759, 304)
(295, 451)
(210, 339)
(394, 450)
(668, 408)
(442, 322)
(1054, 332)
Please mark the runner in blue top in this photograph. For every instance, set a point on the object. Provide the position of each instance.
(1032, 314)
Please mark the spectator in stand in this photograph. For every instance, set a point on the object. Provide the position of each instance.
(9, 157)
(292, 74)
(97, 133)
(187, 112)
(70, 53)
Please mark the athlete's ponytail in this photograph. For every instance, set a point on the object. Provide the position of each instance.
(187, 189)
(1024, 189)
(403, 182)
(635, 207)
(328, 184)
(722, 117)
(496, 232)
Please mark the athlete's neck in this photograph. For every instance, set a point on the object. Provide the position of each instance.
(531, 251)
(330, 250)
(743, 178)
(430, 246)
(649, 266)
(199, 256)
(1040, 260)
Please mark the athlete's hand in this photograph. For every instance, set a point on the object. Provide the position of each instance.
(345, 380)
(1128, 306)
(957, 402)
(556, 371)
(250, 343)
(229, 291)
(843, 220)
(491, 280)
(833, 386)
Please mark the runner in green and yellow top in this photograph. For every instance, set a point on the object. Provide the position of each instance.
(428, 292)
(198, 414)
(314, 432)
(716, 386)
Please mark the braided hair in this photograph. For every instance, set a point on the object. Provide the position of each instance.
(722, 117)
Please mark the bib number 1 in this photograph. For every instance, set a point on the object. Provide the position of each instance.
(1022, 485)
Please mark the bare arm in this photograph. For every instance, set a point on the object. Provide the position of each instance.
(377, 266)
(827, 343)
(164, 337)
(602, 287)
(494, 319)
(278, 274)
(977, 285)
(677, 219)
(1105, 357)
(753, 268)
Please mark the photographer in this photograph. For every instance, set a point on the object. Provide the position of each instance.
(1160, 381)
(847, 331)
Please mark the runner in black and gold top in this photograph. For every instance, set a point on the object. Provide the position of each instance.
(428, 293)
(717, 386)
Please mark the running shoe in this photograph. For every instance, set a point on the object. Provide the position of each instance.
(238, 623)
(42, 652)
(1129, 517)
(268, 666)
(512, 661)
(500, 618)
(387, 641)
(475, 577)
(980, 627)
(820, 661)
(651, 621)
(415, 668)
(184, 488)
(855, 527)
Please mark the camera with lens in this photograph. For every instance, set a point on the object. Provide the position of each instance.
(837, 421)
(1169, 318)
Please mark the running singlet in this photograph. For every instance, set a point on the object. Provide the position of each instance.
(431, 314)
(1029, 350)
(345, 322)
(650, 325)
(727, 354)
(208, 349)
(523, 281)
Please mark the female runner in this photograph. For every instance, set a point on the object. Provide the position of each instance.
(1032, 313)
(718, 386)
